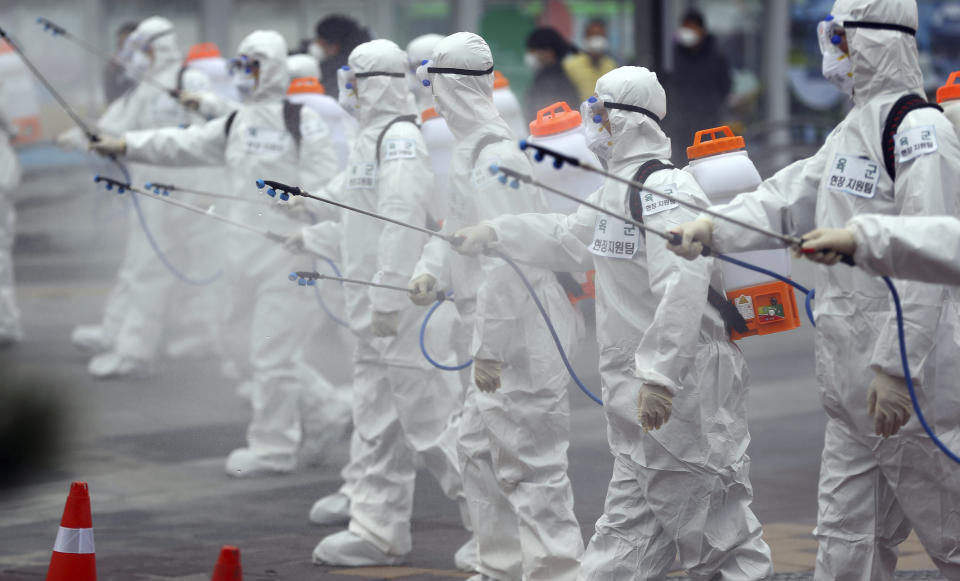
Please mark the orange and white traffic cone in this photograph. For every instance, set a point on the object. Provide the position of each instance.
(228, 565)
(74, 557)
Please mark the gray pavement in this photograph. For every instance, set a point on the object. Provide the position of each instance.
(153, 450)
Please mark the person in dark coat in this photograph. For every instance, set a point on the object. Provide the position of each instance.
(546, 50)
(698, 87)
(336, 36)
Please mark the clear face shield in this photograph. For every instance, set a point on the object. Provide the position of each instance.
(836, 67)
(596, 125)
(245, 74)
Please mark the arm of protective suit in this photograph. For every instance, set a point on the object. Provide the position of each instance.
(121, 115)
(212, 105)
(203, 144)
(323, 239)
(785, 203)
(435, 260)
(404, 188)
(924, 186)
(557, 242)
(669, 345)
(922, 248)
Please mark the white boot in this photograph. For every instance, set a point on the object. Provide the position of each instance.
(346, 549)
(112, 365)
(244, 463)
(466, 556)
(91, 338)
(333, 509)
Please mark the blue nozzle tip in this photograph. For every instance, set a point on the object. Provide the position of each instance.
(424, 61)
(109, 186)
(523, 144)
(96, 178)
(148, 185)
(515, 184)
(835, 39)
(272, 193)
(592, 100)
(494, 169)
(284, 196)
(558, 163)
(121, 189)
(829, 17)
(260, 184)
(345, 67)
(426, 83)
(502, 179)
(292, 276)
(302, 282)
(538, 156)
(311, 282)
(597, 118)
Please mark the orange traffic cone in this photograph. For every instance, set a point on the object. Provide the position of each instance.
(74, 557)
(228, 565)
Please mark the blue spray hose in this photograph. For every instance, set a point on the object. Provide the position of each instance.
(423, 345)
(316, 291)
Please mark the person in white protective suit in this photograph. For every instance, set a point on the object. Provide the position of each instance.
(265, 138)
(880, 475)
(514, 433)
(419, 50)
(10, 174)
(922, 248)
(129, 338)
(403, 409)
(680, 487)
(306, 88)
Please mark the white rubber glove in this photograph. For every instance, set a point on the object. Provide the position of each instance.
(888, 403)
(695, 235)
(385, 324)
(190, 100)
(474, 239)
(72, 139)
(423, 290)
(827, 245)
(655, 404)
(486, 372)
(294, 243)
(108, 146)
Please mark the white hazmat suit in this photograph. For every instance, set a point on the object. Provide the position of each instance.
(268, 312)
(683, 489)
(873, 490)
(922, 248)
(403, 409)
(513, 443)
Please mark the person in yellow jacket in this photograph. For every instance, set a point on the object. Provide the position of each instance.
(585, 68)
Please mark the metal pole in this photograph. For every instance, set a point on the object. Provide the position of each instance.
(777, 98)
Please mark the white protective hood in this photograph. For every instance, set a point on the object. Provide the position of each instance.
(884, 61)
(635, 135)
(303, 66)
(156, 33)
(382, 95)
(419, 50)
(270, 50)
(465, 101)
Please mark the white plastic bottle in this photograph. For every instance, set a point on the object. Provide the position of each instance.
(507, 105)
(948, 97)
(720, 164)
(439, 141)
(559, 128)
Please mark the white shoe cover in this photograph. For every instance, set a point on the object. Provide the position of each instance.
(90, 338)
(113, 365)
(333, 509)
(466, 556)
(244, 463)
(346, 549)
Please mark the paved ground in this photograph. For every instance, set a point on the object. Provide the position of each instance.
(153, 450)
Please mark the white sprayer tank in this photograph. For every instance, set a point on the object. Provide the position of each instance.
(948, 97)
(559, 128)
(507, 105)
(439, 141)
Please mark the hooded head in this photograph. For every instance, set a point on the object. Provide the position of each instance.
(268, 49)
(303, 66)
(154, 36)
(635, 105)
(881, 38)
(461, 76)
(419, 50)
(378, 67)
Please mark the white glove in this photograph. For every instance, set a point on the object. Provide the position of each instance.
(108, 146)
(385, 324)
(888, 403)
(474, 239)
(190, 100)
(827, 245)
(72, 140)
(655, 404)
(294, 243)
(695, 235)
(486, 372)
(423, 290)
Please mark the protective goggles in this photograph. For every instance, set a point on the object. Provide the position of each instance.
(426, 69)
(634, 109)
(836, 30)
(243, 64)
(347, 77)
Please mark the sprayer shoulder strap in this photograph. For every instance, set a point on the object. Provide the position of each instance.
(291, 121)
(898, 113)
(483, 143)
(394, 121)
(732, 318)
